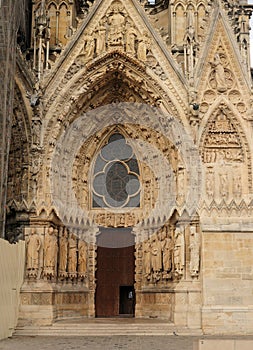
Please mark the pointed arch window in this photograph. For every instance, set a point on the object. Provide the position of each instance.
(116, 182)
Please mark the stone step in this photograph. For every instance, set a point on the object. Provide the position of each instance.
(93, 329)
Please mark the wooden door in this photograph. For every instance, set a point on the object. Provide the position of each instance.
(115, 269)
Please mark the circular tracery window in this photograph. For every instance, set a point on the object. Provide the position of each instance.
(116, 173)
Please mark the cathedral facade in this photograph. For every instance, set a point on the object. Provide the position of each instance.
(130, 162)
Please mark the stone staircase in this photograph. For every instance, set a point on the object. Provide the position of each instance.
(106, 327)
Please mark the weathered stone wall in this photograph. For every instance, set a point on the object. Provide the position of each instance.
(227, 282)
(12, 264)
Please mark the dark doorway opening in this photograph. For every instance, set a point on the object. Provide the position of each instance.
(126, 301)
(115, 273)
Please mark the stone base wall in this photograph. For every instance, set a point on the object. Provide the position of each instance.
(227, 283)
(43, 307)
(183, 308)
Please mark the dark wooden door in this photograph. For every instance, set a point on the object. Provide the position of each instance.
(115, 268)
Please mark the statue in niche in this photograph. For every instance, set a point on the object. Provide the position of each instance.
(82, 259)
(147, 259)
(72, 257)
(224, 186)
(210, 185)
(219, 73)
(89, 46)
(179, 259)
(33, 245)
(63, 252)
(101, 38)
(167, 249)
(116, 22)
(36, 128)
(143, 47)
(50, 253)
(156, 258)
(130, 39)
(194, 251)
(237, 185)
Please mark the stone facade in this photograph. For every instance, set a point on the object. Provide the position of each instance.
(112, 93)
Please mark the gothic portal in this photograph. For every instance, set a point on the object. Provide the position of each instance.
(130, 162)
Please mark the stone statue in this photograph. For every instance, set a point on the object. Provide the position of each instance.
(143, 46)
(130, 39)
(72, 260)
(100, 37)
(147, 259)
(224, 186)
(63, 253)
(82, 259)
(219, 73)
(89, 47)
(116, 22)
(50, 253)
(237, 185)
(33, 245)
(156, 258)
(210, 185)
(167, 249)
(194, 251)
(179, 259)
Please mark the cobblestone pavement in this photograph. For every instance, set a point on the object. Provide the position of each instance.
(106, 343)
(97, 343)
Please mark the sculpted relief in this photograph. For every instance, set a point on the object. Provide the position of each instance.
(222, 141)
(116, 30)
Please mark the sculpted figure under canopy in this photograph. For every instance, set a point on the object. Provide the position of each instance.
(33, 245)
(63, 252)
(50, 252)
(72, 261)
(82, 259)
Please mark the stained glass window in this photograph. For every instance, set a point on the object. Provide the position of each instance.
(116, 175)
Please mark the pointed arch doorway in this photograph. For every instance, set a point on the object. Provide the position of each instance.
(115, 294)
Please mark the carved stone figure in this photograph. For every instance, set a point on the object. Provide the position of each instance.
(179, 250)
(89, 47)
(167, 249)
(143, 46)
(147, 259)
(50, 253)
(33, 245)
(219, 73)
(72, 256)
(82, 259)
(116, 22)
(36, 126)
(156, 258)
(130, 39)
(210, 185)
(100, 37)
(63, 253)
(224, 186)
(237, 185)
(194, 251)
